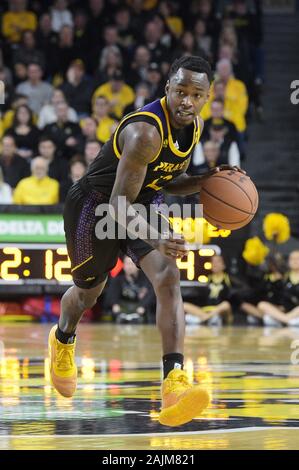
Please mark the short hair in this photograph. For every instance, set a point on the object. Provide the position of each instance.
(194, 63)
(46, 138)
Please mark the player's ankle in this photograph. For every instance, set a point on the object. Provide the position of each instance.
(66, 338)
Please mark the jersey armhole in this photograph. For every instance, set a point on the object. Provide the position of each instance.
(143, 116)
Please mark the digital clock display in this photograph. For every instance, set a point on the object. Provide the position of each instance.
(50, 264)
(41, 264)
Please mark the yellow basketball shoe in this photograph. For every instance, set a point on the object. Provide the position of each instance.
(181, 401)
(63, 369)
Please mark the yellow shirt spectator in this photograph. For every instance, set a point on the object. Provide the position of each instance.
(117, 93)
(38, 188)
(105, 124)
(105, 129)
(235, 104)
(36, 191)
(235, 97)
(15, 22)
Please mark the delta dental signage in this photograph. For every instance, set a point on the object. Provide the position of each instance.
(31, 228)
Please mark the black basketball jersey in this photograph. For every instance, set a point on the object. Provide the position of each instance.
(171, 160)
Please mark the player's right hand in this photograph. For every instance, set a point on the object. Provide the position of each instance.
(173, 247)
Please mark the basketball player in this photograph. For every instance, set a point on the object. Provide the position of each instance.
(149, 151)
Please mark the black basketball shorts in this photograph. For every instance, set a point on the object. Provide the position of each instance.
(93, 258)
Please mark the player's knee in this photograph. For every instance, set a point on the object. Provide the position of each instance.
(167, 280)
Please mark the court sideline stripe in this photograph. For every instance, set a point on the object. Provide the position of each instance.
(187, 433)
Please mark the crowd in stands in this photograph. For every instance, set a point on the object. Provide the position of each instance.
(72, 69)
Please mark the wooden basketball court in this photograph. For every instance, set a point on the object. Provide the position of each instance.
(249, 372)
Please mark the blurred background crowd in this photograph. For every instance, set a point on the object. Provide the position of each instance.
(72, 69)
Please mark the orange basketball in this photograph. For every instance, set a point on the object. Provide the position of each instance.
(229, 198)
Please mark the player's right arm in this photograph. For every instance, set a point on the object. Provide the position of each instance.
(139, 142)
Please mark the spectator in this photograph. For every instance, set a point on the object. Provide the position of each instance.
(154, 79)
(110, 36)
(45, 36)
(204, 11)
(228, 37)
(128, 295)
(126, 33)
(105, 124)
(60, 15)
(217, 305)
(91, 151)
(19, 73)
(286, 311)
(27, 52)
(64, 52)
(58, 166)
(233, 92)
(110, 62)
(24, 132)
(248, 25)
(64, 133)
(48, 114)
(96, 22)
(173, 21)
(77, 170)
(89, 128)
(217, 117)
(152, 37)
(139, 67)
(236, 98)
(96, 15)
(205, 157)
(142, 97)
(188, 46)
(78, 88)
(229, 150)
(8, 117)
(202, 39)
(5, 190)
(118, 93)
(37, 188)
(16, 20)
(38, 91)
(82, 37)
(14, 167)
(89, 132)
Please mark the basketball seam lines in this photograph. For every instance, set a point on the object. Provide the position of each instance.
(236, 184)
(227, 203)
(225, 221)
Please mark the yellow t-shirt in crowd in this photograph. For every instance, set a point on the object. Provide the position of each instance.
(123, 98)
(105, 128)
(35, 191)
(235, 104)
(14, 23)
